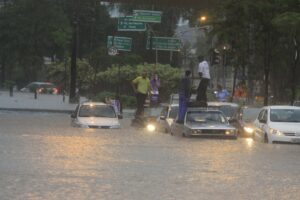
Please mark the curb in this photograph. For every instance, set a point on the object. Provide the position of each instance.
(36, 110)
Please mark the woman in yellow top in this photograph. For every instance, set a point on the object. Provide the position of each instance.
(141, 87)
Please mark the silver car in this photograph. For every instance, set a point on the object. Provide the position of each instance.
(167, 117)
(204, 122)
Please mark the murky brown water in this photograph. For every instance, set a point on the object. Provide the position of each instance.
(43, 157)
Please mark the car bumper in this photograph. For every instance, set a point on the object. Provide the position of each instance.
(284, 139)
(211, 135)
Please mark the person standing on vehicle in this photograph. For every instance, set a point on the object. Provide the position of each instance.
(141, 87)
(203, 71)
(184, 95)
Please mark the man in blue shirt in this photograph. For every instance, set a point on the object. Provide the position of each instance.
(184, 95)
(222, 94)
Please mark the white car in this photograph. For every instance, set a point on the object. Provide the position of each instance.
(278, 124)
(95, 115)
(167, 117)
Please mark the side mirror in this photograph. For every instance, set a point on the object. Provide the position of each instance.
(73, 115)
(263, 121)
(162, 117)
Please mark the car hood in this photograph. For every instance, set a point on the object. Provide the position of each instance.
(285, 126)
(98, 121)
(209, 126)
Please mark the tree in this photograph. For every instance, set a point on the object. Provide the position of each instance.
(32, 29)
(289, 24)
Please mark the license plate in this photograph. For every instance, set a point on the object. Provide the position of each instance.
(296, 140)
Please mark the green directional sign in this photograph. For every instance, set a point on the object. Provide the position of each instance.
(164, 43)
(147, 16)
(127, 24)
(121, 43)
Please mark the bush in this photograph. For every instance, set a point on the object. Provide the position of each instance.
(126, 100)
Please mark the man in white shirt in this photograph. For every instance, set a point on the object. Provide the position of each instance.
(203, 71)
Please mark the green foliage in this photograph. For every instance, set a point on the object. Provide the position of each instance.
(126, 100)
(169, 77)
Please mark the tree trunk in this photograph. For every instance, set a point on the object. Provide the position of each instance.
(294, 70)
(72, 98)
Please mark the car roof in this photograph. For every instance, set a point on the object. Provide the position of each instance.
(282, 107)
(217, 103)
(203, 109)
(39, 83)
(94, 103)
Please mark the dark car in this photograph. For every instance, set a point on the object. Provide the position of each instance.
(41, 87)
(243, 120)
(229, 109)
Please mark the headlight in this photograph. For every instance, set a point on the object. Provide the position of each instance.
(276, 132)
(230, 132)
(248, 129)
(151, 127)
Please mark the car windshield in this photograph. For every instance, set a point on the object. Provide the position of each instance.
(250, 114)
(97, 111)
(173, 112)
(228, 111)
(285, 115)
(213, 117)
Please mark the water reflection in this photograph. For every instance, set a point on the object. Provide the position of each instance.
(249, 142)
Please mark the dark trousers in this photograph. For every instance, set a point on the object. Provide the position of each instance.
(201, 90)
(140, 98)
(182, 109)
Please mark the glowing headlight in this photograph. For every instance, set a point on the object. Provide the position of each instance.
(150, 127)
(229, 132)
(276, 132)
(248, 129)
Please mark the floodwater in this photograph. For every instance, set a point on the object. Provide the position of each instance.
(43, 157)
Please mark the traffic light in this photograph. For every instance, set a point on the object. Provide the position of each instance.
(216, 57)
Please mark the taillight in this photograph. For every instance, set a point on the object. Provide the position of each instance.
(55, 90)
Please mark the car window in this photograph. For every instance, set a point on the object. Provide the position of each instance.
(164, 112)
(228, 111)
(173, 112)
(260, 116)
(205, 117)
(265, 116)
(285, 115)
(97, 111)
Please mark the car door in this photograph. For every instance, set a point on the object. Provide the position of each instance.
(162, 118)
(260, 124)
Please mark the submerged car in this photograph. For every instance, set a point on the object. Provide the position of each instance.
(167, 117)
(228, 109)
(41, 87)
(278, 124)
(95, 115)
(243, 121)
(204, 122)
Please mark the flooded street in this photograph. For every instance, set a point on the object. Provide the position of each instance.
(43, 157)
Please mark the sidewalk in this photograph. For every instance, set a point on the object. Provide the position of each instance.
(45, 102)
(22, 101)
